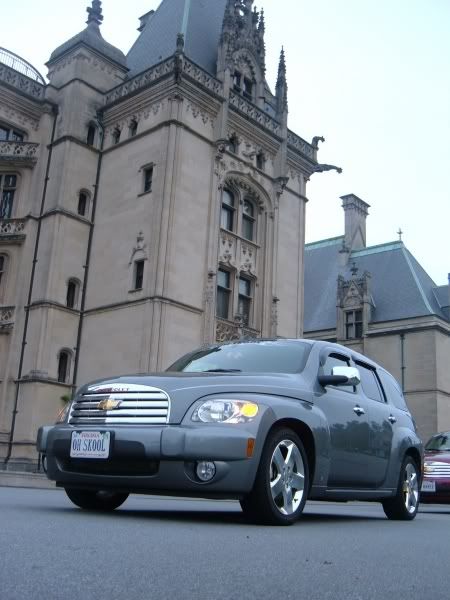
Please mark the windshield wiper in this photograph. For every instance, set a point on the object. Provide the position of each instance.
(223, 371)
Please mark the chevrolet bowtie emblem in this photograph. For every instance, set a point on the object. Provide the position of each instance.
(109, 404)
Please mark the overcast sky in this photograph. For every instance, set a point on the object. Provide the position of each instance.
(371, 76)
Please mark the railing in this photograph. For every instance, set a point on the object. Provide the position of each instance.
(6, 317)
(227, 331)
(12, 227)
(255, 113)
(22, 151)
(21, 65)
(143, 79)
(21, 82)
(300, 144)
(200, 76)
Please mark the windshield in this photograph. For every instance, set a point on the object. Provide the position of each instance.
(440, 443)
(247, 357)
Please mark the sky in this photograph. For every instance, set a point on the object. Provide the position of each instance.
(370, 76)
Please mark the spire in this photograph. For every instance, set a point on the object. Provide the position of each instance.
(95, 13)
(262, 23)
(281, 87)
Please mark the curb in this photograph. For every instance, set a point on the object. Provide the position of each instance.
(25, 480)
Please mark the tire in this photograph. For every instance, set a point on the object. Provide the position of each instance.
(96, 500)
(282, 481)
(405, 504)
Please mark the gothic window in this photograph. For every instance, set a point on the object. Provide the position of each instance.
(248, 220)
(223, 293)
(353, 324)
(228, 210)
(116, 136)
(8, 185)
(73, 288)
(237, 81)
(63, 366)
(133, 128)
(233, 144)
(8, 134)
(260, 161)
(3, 265)
(147, 179)
(83, 202)
(139, 274)
(90, 137)
(243, 85)
(245, 299)
(248, 88)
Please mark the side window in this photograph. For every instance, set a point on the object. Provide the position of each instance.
(392, 390)
(334, 360)
(369, 383)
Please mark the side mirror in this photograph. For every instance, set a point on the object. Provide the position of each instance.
(345, 376)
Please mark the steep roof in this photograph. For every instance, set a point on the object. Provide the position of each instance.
(199, 20)
(399, 286)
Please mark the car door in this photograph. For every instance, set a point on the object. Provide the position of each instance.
(380, 421)
(346, 414)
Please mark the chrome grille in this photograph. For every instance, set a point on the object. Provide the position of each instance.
(120, 404)
(437, 469)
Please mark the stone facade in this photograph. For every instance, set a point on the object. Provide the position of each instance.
(118, 233)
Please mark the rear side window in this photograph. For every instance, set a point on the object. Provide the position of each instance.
(369, 382)
(392, 390)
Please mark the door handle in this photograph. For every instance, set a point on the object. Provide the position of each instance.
(392, 419)
(359, 411)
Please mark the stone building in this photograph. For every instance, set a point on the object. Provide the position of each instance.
(380, 301)
(150, 203)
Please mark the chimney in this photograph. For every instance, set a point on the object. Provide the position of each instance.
(356, 211)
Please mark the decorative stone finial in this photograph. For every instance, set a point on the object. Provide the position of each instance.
(95, 13)
(180, 43)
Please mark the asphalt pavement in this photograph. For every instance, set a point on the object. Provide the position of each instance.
(155, 548)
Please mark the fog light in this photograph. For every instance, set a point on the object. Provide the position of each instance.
(205, 470)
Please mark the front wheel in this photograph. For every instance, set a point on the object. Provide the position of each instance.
(405, 504)
(96, 500)
(279, 493)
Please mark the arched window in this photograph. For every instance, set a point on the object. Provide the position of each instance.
(234, 143)
(73, 288)
(116, 136)
(245, 299)
(248, 221)
(83, 203)
(133, 128)
(228, 210)
(90, 138)
(63, 366)
(138, 275)
(8, 186)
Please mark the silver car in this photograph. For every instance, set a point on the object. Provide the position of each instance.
(270, 423)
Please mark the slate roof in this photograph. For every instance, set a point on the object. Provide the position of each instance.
(91, 37)
(399, 286)
(199, 20)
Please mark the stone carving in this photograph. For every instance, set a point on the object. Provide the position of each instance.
(162, 69)
(21, 82)
(144, 114)
(209, 297)
(6, 318)
(226, 331)
(202, 77)
(252, 111)
(26, 151)
(248, 259)
(198, 112)
(300, 145)
(12, 226)
(139, 248)
(227, 250)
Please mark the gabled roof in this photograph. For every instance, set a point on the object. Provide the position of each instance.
(399, 286)
(199, 20)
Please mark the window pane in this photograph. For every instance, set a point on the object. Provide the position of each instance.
(244, 286)
(226, 218)
(369, 383)
(223, 302)
(392, 390)
(4, 134)
(10, 181)
(82, 202)
(227, 198)
(334, 360)
(248, 208)
(16, 136)
(90, 135)
(223, 279)
(133, 129)
(6, 204)
(139, 274)
(63, 366)
(148, 179)
(247, 228)
(71, 293)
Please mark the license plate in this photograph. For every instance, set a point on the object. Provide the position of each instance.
(428, 486)
(90, 444)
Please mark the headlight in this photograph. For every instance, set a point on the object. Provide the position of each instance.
(225, 411)
(62, 415)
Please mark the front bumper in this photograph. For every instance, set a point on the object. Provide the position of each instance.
(156, 459)
(441, 495)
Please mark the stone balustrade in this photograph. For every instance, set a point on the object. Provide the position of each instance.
(21, 82)
(12, 228)
(18, 151)
(6, 318)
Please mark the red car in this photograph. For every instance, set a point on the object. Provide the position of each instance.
(436, 472)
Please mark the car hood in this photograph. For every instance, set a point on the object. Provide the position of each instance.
(185, 388)
(437, 456)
